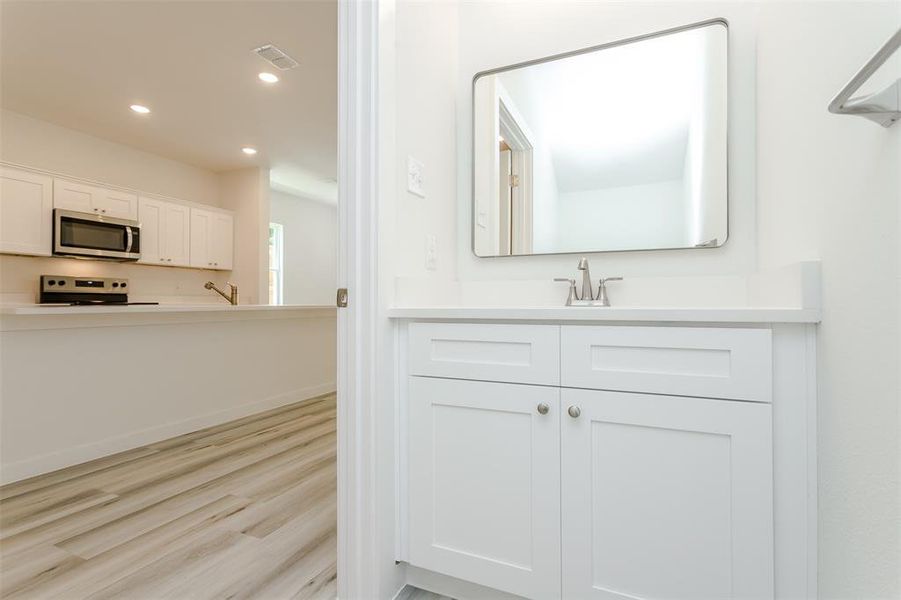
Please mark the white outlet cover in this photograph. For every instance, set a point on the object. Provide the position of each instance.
(415, 171)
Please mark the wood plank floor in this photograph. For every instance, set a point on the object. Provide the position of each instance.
(241, 510)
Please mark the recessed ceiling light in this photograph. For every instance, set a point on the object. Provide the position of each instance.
(140, 109)
(268, 77)
(248, 150)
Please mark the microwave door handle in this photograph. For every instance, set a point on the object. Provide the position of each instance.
(130, 237)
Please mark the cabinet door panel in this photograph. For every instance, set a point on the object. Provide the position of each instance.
(484, 484)
(152, 216)
(201, 221)
(26, 212)
(112, 203)
(666, 497)
(222, 241)
(73, 196)
(177, 235)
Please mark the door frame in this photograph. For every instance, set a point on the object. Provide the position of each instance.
(358, 272)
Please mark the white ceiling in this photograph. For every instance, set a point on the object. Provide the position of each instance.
(81, 64)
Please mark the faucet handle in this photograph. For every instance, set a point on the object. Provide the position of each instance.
(602, 290)
(572, 289)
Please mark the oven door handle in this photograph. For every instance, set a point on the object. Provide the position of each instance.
(130, 237)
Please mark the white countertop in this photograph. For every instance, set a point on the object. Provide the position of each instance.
(24, 317)
(596, 313)
(65, 309)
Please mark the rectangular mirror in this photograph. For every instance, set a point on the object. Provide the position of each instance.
(618, 147)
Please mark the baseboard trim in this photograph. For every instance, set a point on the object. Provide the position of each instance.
(451, 587)
(60, 459)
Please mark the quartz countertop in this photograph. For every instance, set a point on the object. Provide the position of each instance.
(600, 314)
(65, 309)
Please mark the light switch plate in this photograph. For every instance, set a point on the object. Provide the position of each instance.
(431, 252)
(415, 177)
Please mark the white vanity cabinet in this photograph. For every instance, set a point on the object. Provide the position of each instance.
(26, 212)
(604, 462)
(72, 195)
(165, 232)
(212, 239)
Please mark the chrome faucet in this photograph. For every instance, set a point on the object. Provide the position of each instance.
(587, 298)
(587, 293)
(232, 297)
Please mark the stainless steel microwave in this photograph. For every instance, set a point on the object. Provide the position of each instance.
(88, 235)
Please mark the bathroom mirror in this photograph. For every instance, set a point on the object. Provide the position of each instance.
(612, 148)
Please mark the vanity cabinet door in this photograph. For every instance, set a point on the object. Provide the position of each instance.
(26, 212)
(666, 497)
(484, 483)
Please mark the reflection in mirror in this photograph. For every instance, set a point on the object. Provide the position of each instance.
(621, 147)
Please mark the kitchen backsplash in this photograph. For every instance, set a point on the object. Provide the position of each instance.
(19, 279)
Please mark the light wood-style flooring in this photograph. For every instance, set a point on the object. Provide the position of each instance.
(241, 510)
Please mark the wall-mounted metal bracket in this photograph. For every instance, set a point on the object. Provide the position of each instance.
(882, 107)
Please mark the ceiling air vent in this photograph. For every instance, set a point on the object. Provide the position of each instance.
(276, 57)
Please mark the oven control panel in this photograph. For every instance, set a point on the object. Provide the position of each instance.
(88, 285)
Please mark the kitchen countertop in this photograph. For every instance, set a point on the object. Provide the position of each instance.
(64, 309)
(599, 314)
(24, 317)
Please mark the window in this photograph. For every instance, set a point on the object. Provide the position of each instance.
(276, 263)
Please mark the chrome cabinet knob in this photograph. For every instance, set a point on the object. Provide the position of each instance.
(574, 412)
(543, 408)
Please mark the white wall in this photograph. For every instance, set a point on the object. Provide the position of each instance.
(826, 187)
(830, 188)
(42, 145)
(426, 69)
(141, 379)
(310, 247)
(246, 193)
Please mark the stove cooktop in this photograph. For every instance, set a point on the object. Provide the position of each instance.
(107, 303)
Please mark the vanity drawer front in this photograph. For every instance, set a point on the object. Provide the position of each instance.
(685, 361)
(484, 352)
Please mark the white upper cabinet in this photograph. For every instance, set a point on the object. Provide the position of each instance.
(666, 497)
(212, 239)
(177, 235)
(223, 240)
(165, 232)
(26, 212)
(81, 197)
